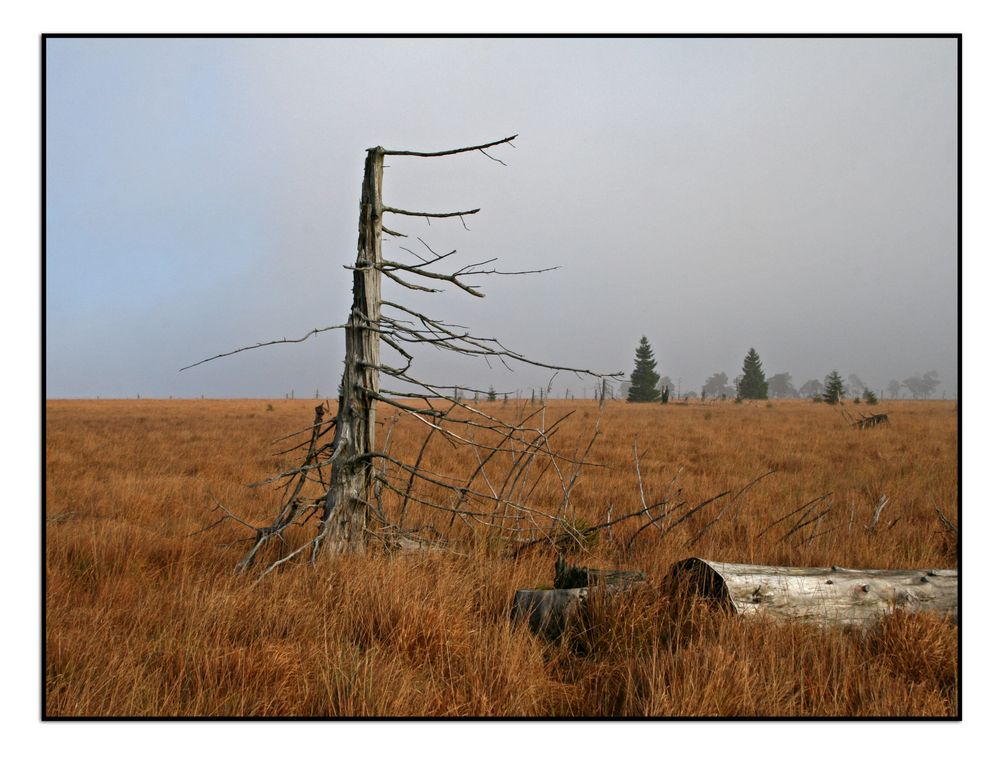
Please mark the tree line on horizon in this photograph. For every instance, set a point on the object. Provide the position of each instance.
(646, 385)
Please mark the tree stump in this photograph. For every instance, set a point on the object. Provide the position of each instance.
(548, 610)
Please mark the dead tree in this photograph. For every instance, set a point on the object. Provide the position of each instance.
(863, 421)
(342, 457)
(871, 421)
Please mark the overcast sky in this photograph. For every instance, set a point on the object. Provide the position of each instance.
(797, 196)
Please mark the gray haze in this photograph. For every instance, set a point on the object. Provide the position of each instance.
(797, 196)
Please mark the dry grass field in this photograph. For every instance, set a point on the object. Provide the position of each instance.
(144, 618)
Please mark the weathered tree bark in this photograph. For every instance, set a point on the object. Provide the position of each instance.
(345, 517)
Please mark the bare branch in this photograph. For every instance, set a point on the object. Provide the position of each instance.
(410, 213)
(266, 344)
(481, 347)
(508, 272)
(388, 265)
(947, 522)
(804, 523)
(450, 151)
(401, 282)
(579, 466)
(638, 474)
(695, 510)
(876, 514)
(501, 161)
(729, 505)
(792, 513)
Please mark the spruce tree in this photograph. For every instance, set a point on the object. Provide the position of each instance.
(834, 389)
(752, 384)
(644, 378)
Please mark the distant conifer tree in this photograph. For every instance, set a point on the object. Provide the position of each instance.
(834, 389)
(752, 384)
(644, 378)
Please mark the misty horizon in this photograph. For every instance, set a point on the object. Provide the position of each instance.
(794, 195)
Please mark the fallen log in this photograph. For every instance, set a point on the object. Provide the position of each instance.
(824, 596)
(821, 595)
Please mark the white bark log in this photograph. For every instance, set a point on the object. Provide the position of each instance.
(824, 595)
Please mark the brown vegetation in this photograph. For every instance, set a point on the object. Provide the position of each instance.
(145, 618)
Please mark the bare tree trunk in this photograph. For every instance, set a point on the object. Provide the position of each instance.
(347, 504)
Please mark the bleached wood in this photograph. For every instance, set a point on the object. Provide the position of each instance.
(824, 595)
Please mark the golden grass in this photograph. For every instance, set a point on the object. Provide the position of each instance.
(143, 618)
